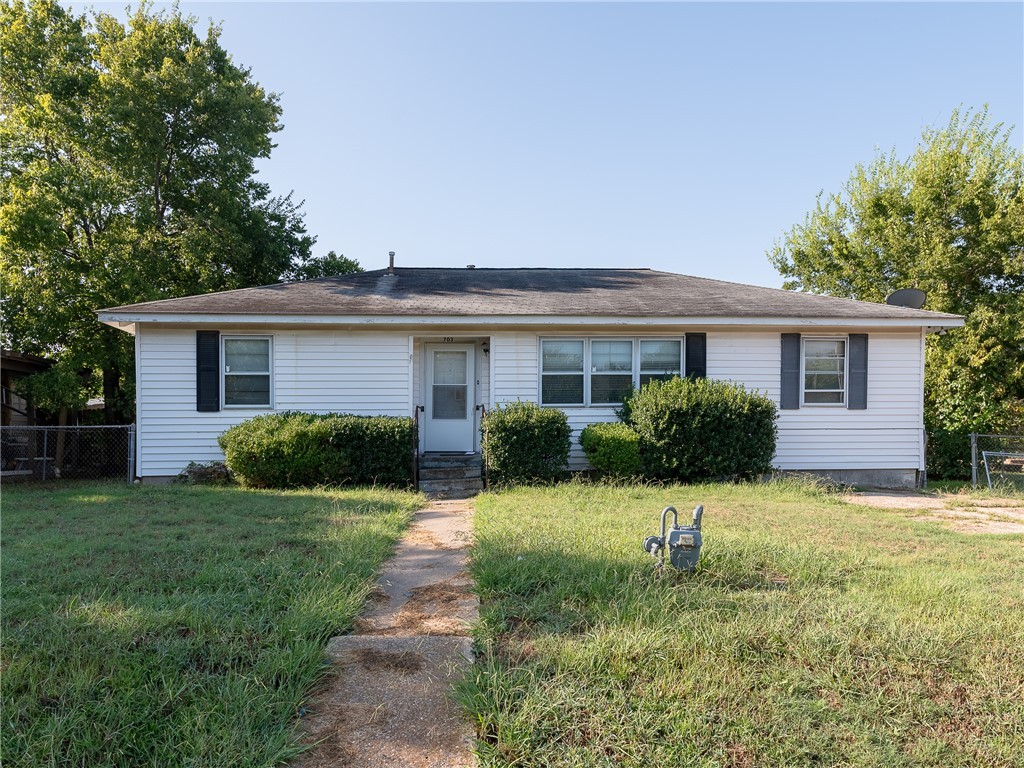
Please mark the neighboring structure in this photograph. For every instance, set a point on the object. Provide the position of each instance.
(848, 375)
(15, 410)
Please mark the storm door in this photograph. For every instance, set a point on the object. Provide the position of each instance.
(450, 413)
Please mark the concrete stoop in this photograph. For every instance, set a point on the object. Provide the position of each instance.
(387, 700)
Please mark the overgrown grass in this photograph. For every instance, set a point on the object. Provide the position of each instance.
(1005, 490)
(176, 626)
(814, 633)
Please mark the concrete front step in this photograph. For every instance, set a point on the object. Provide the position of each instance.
(452, 489)
(437, 460)
(450, 473)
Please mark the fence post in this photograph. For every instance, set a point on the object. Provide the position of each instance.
(974, 460)
(46, 451)
(131, 451)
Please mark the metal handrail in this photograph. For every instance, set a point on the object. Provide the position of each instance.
(483, 456)
(416, 446)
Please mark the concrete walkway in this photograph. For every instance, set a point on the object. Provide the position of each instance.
(386, 702)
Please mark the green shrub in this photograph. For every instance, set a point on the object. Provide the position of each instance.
(949, 454)
(701, 429)
(289, 450)
(612, 449)
(524, 443)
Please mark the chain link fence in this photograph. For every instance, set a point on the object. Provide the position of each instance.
(997, 461)
(47, 454)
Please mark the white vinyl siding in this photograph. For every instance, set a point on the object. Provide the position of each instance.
(886, 435)
(370, 372)
(365, 373)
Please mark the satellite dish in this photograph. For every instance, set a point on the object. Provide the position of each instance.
(906, 297)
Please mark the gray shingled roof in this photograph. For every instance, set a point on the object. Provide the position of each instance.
(561, 292)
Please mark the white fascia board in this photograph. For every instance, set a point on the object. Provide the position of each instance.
(124, 320)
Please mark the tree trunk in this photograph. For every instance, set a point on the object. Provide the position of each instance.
(111, 385)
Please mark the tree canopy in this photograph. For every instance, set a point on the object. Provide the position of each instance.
(129, 174)
(949, 220)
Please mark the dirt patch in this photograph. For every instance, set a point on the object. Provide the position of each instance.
(426, 538)
(433, 610)
(444, 594)
(896, 500)
(391, 661)
(968, 523)
(738, 756)
(963, 514)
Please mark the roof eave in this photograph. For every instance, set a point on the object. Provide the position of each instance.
(127, 320)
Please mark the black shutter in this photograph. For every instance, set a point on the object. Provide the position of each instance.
(858, 372)
(696, 356)
(789, 397)
(207, 370)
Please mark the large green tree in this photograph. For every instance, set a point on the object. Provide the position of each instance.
(949, 219)
(128, 174)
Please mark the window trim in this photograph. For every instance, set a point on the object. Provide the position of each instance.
(224, 374)
(639, 361)
(582, 373)
(846, 372)
(588, 365)
(589, 372)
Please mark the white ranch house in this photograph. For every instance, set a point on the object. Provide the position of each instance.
(848, 375)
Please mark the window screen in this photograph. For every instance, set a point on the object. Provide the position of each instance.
(824, 371)
(562, 372)
(611, 371)
(660, 360)
(247, 371)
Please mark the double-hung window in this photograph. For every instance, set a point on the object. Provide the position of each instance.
(611, 371)
(561, 372)
(247, 371)
(660, 359)
(824, 371)
(601, 372)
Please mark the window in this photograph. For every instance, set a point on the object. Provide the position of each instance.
(247, 379)
(611, 371)
(449, 385)
(600, 372)
(660, 360)
(824, 373)
(561, 372)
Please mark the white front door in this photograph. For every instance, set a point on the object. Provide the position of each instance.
(450, 408)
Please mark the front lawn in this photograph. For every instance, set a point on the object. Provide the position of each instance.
(173, 626)
(815, 633)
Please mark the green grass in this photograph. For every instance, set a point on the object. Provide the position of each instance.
(815, 633)
(1005, 490)
(176, 625)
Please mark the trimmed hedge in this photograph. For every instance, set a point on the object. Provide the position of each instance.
(703, 429)
(292, 449)
(524, 443)
(612, 449)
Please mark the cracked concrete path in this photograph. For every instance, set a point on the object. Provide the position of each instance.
(387, 699)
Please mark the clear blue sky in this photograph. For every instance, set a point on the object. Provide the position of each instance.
(683, 137)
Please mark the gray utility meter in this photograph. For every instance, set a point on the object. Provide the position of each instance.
(683, 542)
